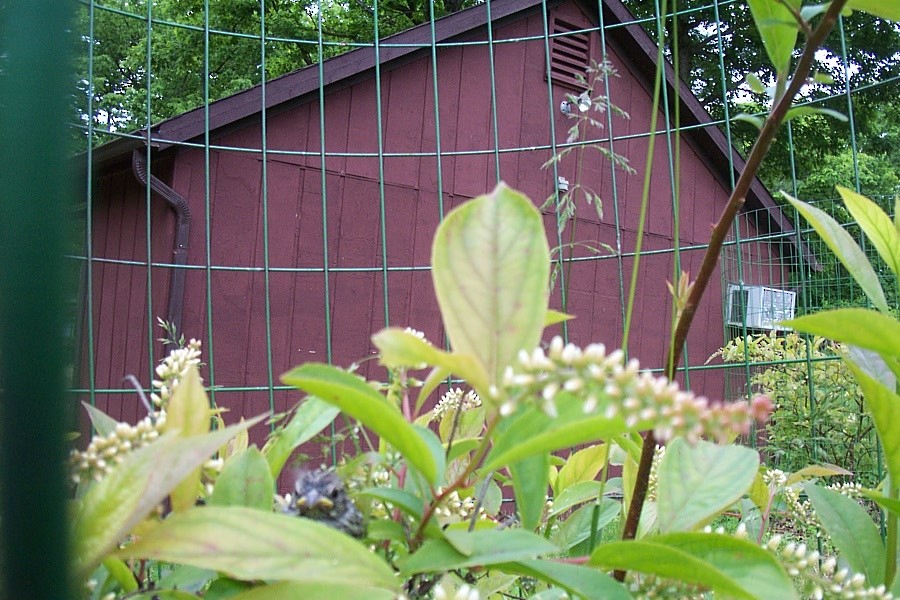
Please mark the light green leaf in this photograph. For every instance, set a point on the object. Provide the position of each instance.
(225, 588)
(886, 9)
(877, 226)
(164, 595)
(529, 431)
(490, 264)
(583, 465)
(574, 495)
(812, 471)
(111, 508)
(802, 111)
(186, 578)
(852, 531)
(465, 424)
(755, 83)
(581, 582)
(735, 568)
(401, 348)
(531, 478)
(892, 505)
(554, 316)
(857, 326)
(846, 250)
(478, 548)
(407, 502)
(359, 400)
(314, 591)
(884, 406)
(754, 120)
(245, 481)
(251, 544)
(310, 417)
(696, 483)
(778, 29)
(577, 527)
(188, 414)
(821, 77)
(102, 422)
(119, 571)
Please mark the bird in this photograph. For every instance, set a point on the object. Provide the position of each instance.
(320, 495)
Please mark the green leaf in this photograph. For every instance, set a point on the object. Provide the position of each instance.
(884, 406)
(477, 548)
(226, 588)
(892, 505)
(119, 571)
(754, 120)
(581, 582)
(531, 479)
(812, 471)
(165, 595)
(846, 250)
(755, 83)
(111, 508)
(102, 422)
(877, 226)
(727, 565)
(490, 265)
(852, 531)
(407, 502)
(310, 417)
(188, 414)
(696, 483)
(245, 481)
(857, 326)
(554, 316)
(314, 591)
(187, 578)
(574, 495)
(886, 9)
(530, 431)
(778, 29)
(583, 465)
(401, 348)
(802, 111)
(251, 544)
(577, 527)
(357, 399)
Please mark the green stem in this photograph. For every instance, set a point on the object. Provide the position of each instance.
(890, 567)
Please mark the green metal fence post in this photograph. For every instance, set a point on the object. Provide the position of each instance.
(35, 92)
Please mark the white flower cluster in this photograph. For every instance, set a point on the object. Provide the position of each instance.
(453, 400)
(106, 451)
(653, 480)
(454, 508)
(463, 592)
(606, 381)
(172, 370)
(825, 582)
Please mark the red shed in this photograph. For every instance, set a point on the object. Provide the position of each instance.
(278, 236)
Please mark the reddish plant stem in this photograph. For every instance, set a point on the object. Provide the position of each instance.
(717, 239)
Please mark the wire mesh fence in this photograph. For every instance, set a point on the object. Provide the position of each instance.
(267, 177)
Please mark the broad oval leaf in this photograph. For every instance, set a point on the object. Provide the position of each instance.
(877, 226)
(851, 530)
(846, 249)
(114, 505)
(802, 111)
(884, 406)
(357, 399)
(251, 544)
(102, 422)
(778, 29)
(531, 478)
(188, 414)
(580, 524)
(583, 465)
(886, 9)
(311, 416)
(574, 495)
(245, 481)
(579, 581)
(491, 264)
(314, 590)
(857, 326)
(697, 482)
(477, 548)
(727, 565)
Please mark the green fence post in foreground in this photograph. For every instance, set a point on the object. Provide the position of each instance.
(35, 91)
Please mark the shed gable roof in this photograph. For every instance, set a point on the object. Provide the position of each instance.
(297, 86)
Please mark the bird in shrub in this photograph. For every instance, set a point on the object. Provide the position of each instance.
(320, 495)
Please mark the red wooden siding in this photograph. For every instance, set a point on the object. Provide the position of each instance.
(356, 282)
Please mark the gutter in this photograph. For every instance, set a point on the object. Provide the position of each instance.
(182, 230)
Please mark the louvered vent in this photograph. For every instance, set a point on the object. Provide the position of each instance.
(570, 54)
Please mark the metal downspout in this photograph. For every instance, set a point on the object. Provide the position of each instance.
(182, 230)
